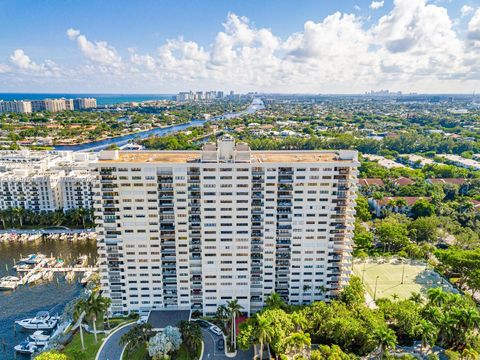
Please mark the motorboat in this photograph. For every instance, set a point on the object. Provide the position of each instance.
(9, 283)
(39, 338)
(81, 261)
(60, 263)
(36, 276)
(86, 277)
(47, 275)
(70, 276)
(41, 321)
(32, 259)
(26, 347)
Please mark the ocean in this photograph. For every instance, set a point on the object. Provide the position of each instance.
(102, 99)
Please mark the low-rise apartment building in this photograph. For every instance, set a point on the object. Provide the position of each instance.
(196, 229)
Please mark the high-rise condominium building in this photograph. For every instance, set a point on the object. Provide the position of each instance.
(196, 229)
(23, 107)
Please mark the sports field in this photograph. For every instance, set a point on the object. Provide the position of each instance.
(416, 278)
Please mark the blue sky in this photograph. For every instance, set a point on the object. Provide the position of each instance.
(284, 46)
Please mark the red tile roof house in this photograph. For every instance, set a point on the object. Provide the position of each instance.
(370, 182)
(403, 181)
(381, 205)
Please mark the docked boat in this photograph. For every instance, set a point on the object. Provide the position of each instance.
(70, 276)
(86, 277)
(41, 321)
(47, 275)
(9, 283)
(81, 261)
(26, 347)
(39, 338)
(35, 277)
(60, 263)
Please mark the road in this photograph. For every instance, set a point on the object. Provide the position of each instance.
(211, 353)
(112, 350)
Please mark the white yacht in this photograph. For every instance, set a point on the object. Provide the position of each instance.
(39, 338)
(70, 276)
(41, 321)
(9, 283)
(26, 347)
(47, 275)
(36, 276)
(86, 277)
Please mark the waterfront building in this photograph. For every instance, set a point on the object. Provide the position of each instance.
(84, 103)
(77, 190)
(23, 107)
(39, 191)
(55, 105)
(195, 229)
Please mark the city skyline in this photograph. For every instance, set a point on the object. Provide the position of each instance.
(282, 47)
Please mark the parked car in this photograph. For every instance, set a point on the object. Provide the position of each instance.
(221, 344)
(216, 330)
(203, 323)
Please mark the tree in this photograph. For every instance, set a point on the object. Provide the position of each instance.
(136, 336)
(363, 209)
(385, 339)
(165, 343)
(422, 208)
(424, 229)
(392, 232)
(354, 293)
(263, 332)
(191, 335)
(234, 309)
(222, 315)
(19, 213)
(298, 341)
(79, 312)
(362, 238)
(428, 332)
(274, 301)
(95, 307)
(51, 355)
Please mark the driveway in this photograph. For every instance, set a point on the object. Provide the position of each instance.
(111, 348)
(211, 353)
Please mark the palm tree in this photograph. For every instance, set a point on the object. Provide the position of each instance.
(437, 296)
(299, 320)
(263, 332)
(137, 335)
(234, 309)
(191, 335)
(274, 301)
(18, 213)
(416, 298)
(96, 307)
(222, 315)
(4, 215)
(78, 316)
(385, 339)
(428, 333)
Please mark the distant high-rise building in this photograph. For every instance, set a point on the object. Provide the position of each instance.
(23, 107)
(84, 103)
(219, 94)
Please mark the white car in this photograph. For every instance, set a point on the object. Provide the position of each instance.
(216, 330)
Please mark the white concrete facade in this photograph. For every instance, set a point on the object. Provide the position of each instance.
(197, 229)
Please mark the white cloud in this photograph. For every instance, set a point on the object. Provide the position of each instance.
(97, 51)
(412, 47)
(466, 10)
(375, 5)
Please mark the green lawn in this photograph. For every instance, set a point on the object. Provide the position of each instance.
(416, 278)
(74, 348)
(140, 353)
(184, 354)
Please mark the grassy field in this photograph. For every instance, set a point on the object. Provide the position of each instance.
(74, 348)
(416, 278)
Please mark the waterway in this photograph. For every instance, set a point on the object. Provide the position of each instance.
(256, 105)
(27, 300)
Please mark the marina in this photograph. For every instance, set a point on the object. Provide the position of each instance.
(50, 293)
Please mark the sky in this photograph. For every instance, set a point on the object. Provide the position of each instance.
(295, 46)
